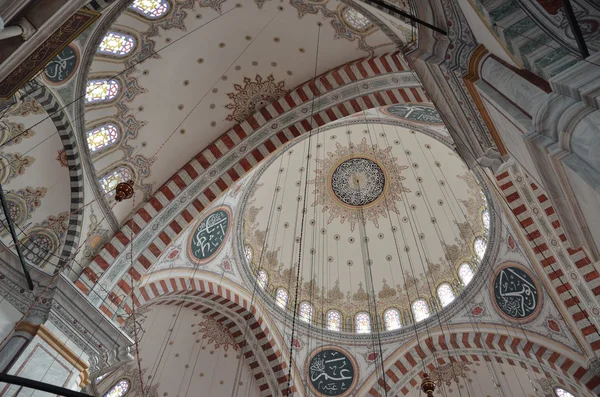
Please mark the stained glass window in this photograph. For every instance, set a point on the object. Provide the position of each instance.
(563, 393)
(151, 8)
(485, 219)
(281, 298)
(102, 137)
(465, 273)
(420, 310)
(248, 253)
(445, 294)
(99, 379)
(118, 44)
(110, 181)
(355, 19)
(119, 389)
(479, 245)
(391, 317)
(306, 312)
(101, 90)
(363, 323)
(262, 278)
(334, 320)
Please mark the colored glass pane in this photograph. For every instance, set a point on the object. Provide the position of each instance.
(391, 317)
(479, 246)
(110, 181)
(445, 294)
(151, 8)
(363, 323)
(306, 312)
(262, 278)
(485, 219)
(355, 19)
(563, 393)
(101, 90)
(102, 137)
(281, 298)
(118, 44)
(334, 321)
(119, 389)
(465, 273)
(420, 310)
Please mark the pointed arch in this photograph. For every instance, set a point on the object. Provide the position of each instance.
(117, 44)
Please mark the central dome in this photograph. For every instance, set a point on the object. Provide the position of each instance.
(395, 224)
(358, 181)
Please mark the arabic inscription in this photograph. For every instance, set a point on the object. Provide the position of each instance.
(209, 235)
(331, 373)
(418, 113)
(516, 293)
(62, 66)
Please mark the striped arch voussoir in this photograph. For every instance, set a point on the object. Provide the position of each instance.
(172, 291)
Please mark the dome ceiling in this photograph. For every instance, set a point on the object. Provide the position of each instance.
(216, 65)
(421, 207)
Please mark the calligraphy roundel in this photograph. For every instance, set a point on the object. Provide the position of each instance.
(331, 371)
(413, 112)
(63, 66)
(208, 235)
(516, 294)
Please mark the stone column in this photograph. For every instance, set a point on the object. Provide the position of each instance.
(24, 332)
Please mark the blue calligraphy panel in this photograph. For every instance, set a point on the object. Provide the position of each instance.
(418, 113)
(209, 235)
(331, 373)
(62, 66)
(516, 293)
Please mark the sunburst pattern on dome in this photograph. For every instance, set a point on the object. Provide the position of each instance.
(356, 176)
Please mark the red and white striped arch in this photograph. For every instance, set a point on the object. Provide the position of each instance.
(211, 299)
(235, 139)
(404, 370)
(512, 183)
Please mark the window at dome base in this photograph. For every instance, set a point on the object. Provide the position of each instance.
(306, 312)
(420, 310)
(102, 137)
(465, 273)
(248, 254)
(485, 219)
(563, 393)
(479, 246)
(334, 321)
(151, 8)
(391, 317)
(262, 278)
(281, 298)
(355, 19)
(101, 90)
(119, 389)
(363, 323)
(110, 181)
(118, 44)
(445, 294)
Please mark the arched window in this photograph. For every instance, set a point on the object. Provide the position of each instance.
(306, 312)
(102, 137)
(262, 278)
(334, 321)
(101, 90)
(485, 219)
(479, 246)
(115, 43)
(119, 389)
(391, 317)
(151, 8)
(465, 273)
(355, 19)
(281, 298)
(248, 254)
(445, 294)
(560, 392)
(363, 323)
(420, 310)
(110, 181)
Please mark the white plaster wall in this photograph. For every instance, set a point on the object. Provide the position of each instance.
(9, 316)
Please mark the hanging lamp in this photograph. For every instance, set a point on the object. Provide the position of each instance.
(124, 191)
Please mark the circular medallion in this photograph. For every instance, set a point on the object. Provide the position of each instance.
(331, 371)
(516, 294)
(208, 236)
(62, 67)
(418, 113)
(358, 181)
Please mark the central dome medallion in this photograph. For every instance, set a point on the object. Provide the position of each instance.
(357, 181)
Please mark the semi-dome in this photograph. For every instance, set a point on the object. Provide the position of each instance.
(395, 223)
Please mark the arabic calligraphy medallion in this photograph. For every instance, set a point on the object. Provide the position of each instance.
(418, 113)
(208, 236)
(516, 294)
(331, 371)
(62, 67)
(357, 181)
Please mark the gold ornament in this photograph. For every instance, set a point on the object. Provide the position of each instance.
(428, 386)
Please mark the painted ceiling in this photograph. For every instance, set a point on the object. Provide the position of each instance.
(216, 63)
